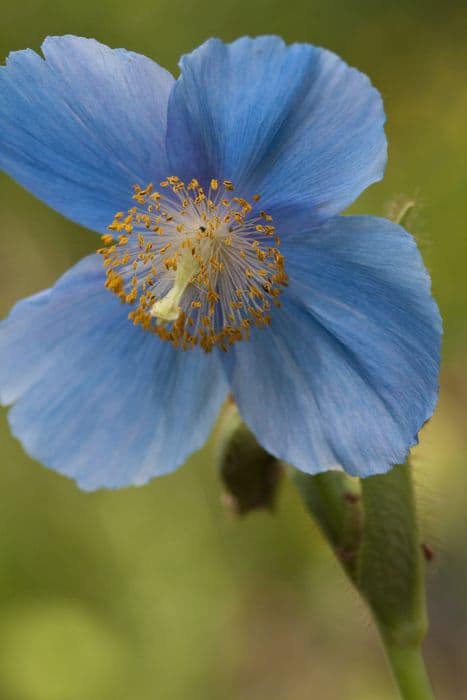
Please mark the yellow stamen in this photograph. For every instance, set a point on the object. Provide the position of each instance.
(197, 267)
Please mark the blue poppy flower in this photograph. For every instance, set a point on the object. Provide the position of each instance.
(225, 265)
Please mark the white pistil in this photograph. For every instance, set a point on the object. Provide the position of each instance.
(168, 309)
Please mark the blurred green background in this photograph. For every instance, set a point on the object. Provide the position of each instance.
(156, 592)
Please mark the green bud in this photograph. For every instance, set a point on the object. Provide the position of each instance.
(249, 474)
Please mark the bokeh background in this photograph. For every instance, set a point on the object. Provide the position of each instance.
(157, 592)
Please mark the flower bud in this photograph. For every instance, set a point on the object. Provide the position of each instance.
(250, 475)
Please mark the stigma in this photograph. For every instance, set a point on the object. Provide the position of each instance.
(198, 266)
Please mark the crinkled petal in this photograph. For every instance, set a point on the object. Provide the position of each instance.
(95, 397)
(79, 128)
(347, 374)
(293, 123)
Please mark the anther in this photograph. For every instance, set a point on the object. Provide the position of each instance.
(221, 276)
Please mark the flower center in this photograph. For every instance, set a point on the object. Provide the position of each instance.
(199, 268)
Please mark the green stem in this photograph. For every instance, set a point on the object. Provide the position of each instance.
(334, 500)
(392, 576)
(391, 569)
(374, 531)
(409, 672)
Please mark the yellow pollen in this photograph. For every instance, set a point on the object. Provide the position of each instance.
(198, 267)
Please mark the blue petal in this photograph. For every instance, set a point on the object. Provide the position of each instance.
(79, 128)
(97, 398)
(348, 372)
(295, 124)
